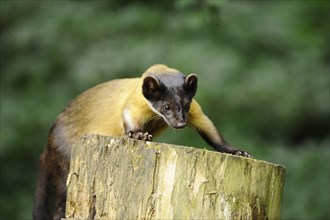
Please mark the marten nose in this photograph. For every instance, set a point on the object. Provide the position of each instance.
(180, 125)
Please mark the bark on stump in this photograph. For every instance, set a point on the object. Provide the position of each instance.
(121, 178)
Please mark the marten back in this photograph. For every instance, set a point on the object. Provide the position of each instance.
(96, 111)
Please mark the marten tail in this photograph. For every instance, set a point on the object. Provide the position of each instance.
(44, 195)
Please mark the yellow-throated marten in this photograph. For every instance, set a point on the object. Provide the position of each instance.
(139, 108)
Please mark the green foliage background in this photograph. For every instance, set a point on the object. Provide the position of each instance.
(263, 71)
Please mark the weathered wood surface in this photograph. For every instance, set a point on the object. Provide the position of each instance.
(121, 178)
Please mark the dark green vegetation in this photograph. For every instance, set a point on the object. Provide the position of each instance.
(263, 70)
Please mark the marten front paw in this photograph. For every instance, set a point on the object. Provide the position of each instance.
(241, 153)
(144, 136)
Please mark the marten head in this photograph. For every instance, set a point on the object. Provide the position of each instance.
(169, 94)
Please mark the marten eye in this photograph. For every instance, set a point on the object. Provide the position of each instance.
(167, 107)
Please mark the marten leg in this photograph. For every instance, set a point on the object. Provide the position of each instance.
(139, 135)
(209, 133)
(44, 196)
(133, 129)
(59, 164)
(60, 201)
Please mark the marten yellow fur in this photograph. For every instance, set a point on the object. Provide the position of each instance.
(139, 108)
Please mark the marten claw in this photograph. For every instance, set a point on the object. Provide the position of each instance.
(146, 136)
(140, 135)
(241, 153)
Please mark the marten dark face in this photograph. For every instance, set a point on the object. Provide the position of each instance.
(170, 96)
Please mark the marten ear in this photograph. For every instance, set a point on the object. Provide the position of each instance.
(150, 87)
(191, 83)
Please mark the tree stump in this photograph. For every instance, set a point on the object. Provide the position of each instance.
(122, 178)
